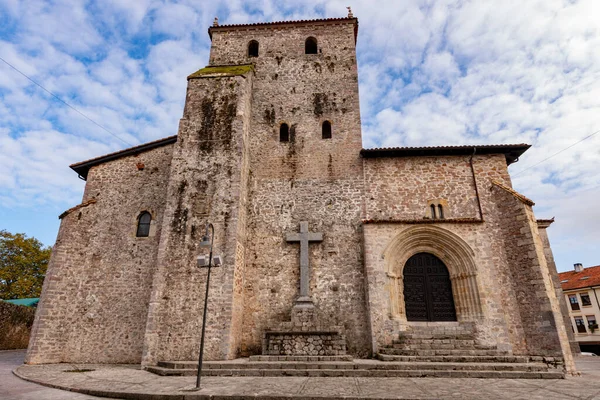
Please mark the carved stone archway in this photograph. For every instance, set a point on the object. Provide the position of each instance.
(455, 253)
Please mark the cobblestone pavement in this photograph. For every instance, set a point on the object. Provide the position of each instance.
(123, 381)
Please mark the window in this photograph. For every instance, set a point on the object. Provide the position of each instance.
(310, 46)
(284, 133)
(433, 211)
(440, 212)
(253, 48)
(592, 323)
(580, 325)
(326, 130)
(143, 227)
(574, 302)
(585, 299)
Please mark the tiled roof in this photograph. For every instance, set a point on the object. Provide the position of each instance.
(83, 167)
(512, 152)
(77, 207)
(576, 280)
(518, 195)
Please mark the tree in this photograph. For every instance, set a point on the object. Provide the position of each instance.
(23, 263)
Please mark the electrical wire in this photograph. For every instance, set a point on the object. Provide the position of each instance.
(555, 154)
(65, 103)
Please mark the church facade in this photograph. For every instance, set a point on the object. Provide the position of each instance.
(318, 236)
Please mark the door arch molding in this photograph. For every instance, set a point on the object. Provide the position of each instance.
(453, 251)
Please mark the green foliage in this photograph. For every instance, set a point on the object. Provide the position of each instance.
(23, 263)
(223, 69)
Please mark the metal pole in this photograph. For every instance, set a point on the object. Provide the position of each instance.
(212, 237)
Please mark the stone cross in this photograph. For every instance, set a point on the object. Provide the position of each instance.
(304, 237)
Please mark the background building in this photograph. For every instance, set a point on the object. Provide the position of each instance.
(582, 294)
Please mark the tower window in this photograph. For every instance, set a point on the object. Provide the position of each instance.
(326, 130)
(310, 46)
(440, 211)
(284, 133)
(253, 48)
(433, 216)
(143, 227)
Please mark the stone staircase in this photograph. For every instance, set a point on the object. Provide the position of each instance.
(455, 348)
(448, 350)
(343, 366)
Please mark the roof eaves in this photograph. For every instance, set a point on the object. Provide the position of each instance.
(265, 25)
(512, 152)
(513, 192)
(82, 168)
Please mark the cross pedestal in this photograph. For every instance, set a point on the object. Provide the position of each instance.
(304, 238)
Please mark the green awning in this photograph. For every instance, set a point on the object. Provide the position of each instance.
(31, 302)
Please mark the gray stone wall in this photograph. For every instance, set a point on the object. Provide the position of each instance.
(542, 229)
(207, 184)
(94, 301)
(306, 179)
(516, 314)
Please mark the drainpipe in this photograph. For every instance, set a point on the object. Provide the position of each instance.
(475, 184)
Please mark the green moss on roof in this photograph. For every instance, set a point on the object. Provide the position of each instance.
(223, 69)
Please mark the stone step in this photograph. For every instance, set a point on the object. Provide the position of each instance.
(301, 358)
(440, 346)
(396, 373)
(435, 336)
(455, 358)
(440, 352)
(363, 365)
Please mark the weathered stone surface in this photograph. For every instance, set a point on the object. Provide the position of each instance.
(112, 297)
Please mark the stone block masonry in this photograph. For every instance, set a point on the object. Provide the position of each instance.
(111, 297)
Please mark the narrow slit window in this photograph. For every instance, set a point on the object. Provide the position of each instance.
(326, 130)
(433, 211)
(143, 228)
(284, 133)
(253, 48)
(440, 211)
(310, 46)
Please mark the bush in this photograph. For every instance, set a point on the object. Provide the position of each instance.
(15, 325)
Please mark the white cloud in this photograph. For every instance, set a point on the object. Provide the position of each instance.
(431, 73)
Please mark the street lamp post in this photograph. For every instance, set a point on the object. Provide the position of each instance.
(206, 242)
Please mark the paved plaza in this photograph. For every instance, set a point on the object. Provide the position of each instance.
(129, 382)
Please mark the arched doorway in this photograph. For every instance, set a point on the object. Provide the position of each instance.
(427, 289)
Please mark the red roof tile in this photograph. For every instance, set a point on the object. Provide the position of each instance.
(576, 280)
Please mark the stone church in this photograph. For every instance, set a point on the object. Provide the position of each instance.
(328, 249)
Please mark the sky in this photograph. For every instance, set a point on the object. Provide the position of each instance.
(443, 72)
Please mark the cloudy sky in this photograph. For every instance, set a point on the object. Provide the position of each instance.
(432, 72)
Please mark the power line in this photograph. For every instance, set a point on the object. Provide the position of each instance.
(555, 154)
(65, 103)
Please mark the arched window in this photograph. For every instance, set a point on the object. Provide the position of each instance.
(310, 46)
(284, 133)
(253, 48)
(440, 212)
(432, 211)
(143, 227)
(326, 130)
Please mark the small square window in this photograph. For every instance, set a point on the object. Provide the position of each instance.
(585, 299)
(574, 302)
(580, 325)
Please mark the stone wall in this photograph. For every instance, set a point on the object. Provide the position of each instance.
(306, 179)
(94, 301)
(542, 229)
(15, 325)
(542, 323)
(207, 184)
(304, 343)
(478, 257)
